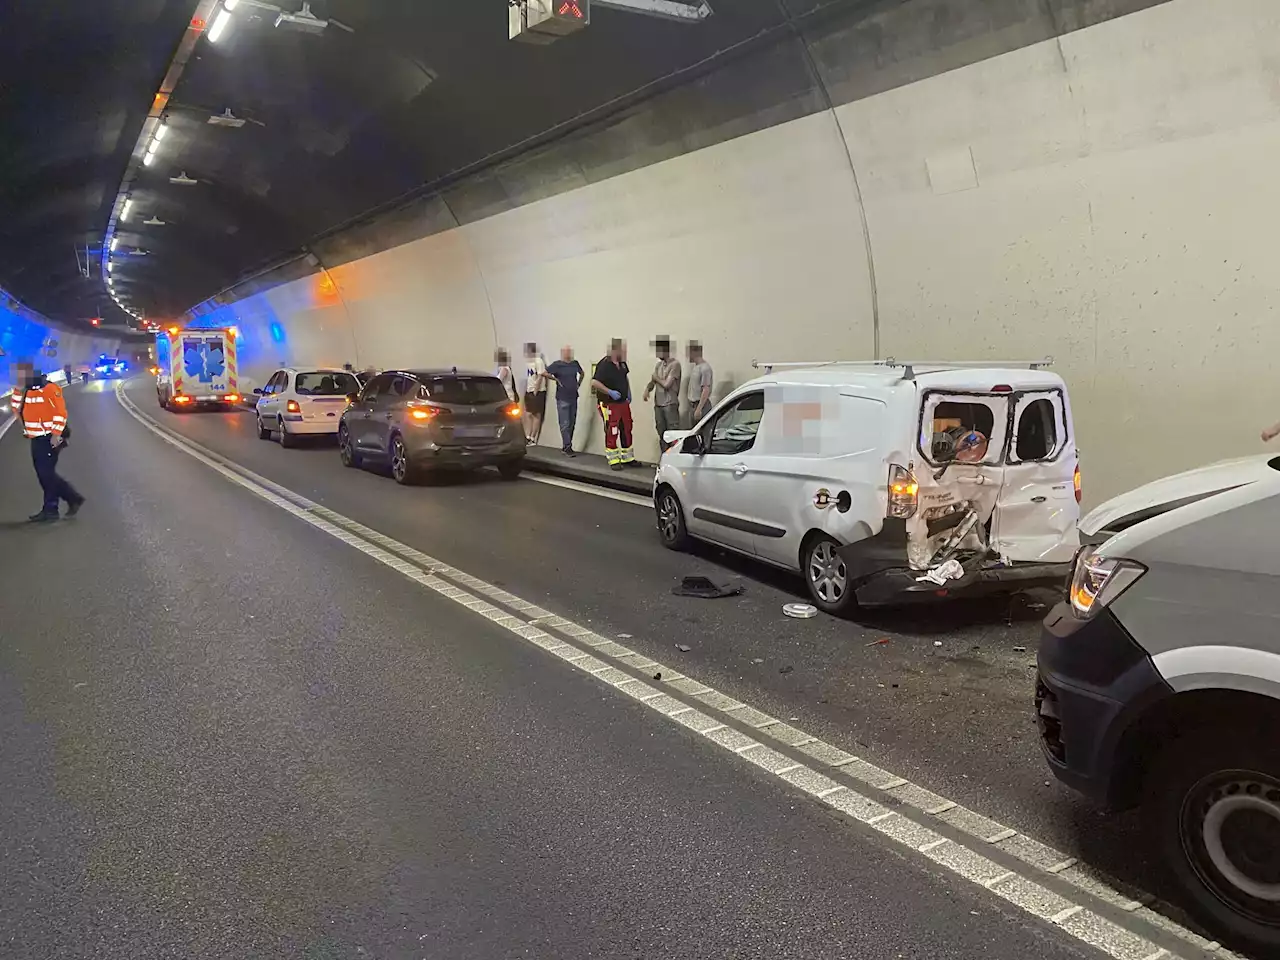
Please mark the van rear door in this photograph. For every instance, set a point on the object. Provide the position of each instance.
(1037, 512)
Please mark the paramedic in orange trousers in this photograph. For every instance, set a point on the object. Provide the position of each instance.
(38, 405)
(612, 385)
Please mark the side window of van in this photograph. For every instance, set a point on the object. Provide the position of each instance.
(1037, 437)
(735, 428)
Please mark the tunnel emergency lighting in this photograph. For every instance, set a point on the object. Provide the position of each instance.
(219, 25)
(124, 212)
(115, 241)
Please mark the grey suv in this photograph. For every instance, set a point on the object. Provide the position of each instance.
(419, 420)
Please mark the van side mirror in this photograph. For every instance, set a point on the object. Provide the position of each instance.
(694, 444)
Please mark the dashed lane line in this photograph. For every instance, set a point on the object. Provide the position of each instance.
(1028, 874)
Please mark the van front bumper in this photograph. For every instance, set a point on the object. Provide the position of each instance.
(1093, 683)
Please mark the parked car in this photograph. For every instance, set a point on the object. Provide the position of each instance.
(881, 483)
(304, 401)
(1159, 683)
(420, 420)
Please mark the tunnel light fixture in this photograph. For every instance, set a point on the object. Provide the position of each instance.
(149, 159)
(124, 211)
(230, 4)
(219, 25)
(161, 130)
(154, 147)
(115, 242)
(110, 266)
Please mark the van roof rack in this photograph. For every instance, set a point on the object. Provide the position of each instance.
(907, 366)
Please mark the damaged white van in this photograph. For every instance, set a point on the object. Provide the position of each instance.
(883, 482)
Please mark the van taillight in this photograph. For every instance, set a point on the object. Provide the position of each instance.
(903, 492)
(1076, 481)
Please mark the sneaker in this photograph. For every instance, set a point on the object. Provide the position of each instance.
(615, 466)
(43, 517)
(74, 508)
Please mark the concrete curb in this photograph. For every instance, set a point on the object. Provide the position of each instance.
(637, 481)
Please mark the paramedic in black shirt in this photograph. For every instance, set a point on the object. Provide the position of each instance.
(612, 387)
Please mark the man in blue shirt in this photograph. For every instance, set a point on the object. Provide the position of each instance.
(568, 375)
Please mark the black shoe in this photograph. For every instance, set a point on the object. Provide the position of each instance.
(615, 466)
(74, 508)
(43, 517)
(568, 452)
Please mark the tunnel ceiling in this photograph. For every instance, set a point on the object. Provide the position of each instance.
(394, 94)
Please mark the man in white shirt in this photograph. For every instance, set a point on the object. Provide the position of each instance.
(701, 380)
(535, 392)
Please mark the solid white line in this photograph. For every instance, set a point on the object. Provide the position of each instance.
(362, 538)
(595, 491)
(1066, 914)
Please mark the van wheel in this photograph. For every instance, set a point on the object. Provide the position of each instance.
(264, 432)
(1213, 804)
(671, 526)
(826, 576)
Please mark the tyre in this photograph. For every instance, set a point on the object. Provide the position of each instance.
(164, 404)
(402, 471)
(510, 470)
(346, 447)
(1213, 806)
(671, 528)
(286, 439)
(264, 432)
(826, 577)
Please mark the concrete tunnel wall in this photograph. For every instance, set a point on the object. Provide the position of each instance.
(23, 336)
(1106, 196)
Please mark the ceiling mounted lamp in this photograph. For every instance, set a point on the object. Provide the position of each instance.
(124, 211)
(161, 130)
(219, 25)
(225, 119)
(153, 222)
(182, 180)
(148, 159)
(114, 243)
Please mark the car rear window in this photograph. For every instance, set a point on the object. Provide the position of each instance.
(326, 384)
(466, 390)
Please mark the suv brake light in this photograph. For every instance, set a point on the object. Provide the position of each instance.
(904, 492)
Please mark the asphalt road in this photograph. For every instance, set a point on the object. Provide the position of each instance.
(223, 734)
(955, 717)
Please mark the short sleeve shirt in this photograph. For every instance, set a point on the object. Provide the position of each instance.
(533, 382)
(699, 376)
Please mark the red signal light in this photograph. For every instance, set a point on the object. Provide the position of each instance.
(96, 321)
(570, 8)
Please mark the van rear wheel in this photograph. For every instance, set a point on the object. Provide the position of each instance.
(826, 576)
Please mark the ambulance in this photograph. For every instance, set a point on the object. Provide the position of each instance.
(197, 368)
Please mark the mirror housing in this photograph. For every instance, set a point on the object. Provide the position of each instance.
(258, 391)
(694, 443)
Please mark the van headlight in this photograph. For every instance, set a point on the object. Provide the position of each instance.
(1097, 581)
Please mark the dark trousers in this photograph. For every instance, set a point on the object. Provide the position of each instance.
(666, 418)
(567, 415)
(45, 457)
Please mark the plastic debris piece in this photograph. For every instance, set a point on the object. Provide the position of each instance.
(657, 676)
(787, 669)
(882, 640)
(1019, 649)
(801, 611)
(937, 643)
(758, 660)
(951, 570)
(624, 636)
(682, 648)
(706, 588)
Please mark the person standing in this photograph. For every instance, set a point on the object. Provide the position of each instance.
(535, 392)
(701, 380)
(504, 373)
(664, 385)
(39, 406)
(612, 384)
(568, 374)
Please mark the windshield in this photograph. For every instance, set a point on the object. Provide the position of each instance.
(326, 385)
(466, 390)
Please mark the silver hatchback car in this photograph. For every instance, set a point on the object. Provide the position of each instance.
(422, 420)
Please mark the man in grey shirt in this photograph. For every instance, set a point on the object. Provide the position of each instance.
(664, 385)
(700, 381)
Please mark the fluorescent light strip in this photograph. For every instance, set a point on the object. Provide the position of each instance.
(161, 130)
(219, 25)
(148, 159)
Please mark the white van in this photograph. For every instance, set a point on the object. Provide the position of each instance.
(870, 479)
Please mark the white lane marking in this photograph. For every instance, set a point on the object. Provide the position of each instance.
(595, 491)
(4, 427)
(1026, 893)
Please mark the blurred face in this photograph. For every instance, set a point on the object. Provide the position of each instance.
(566, 354)
(23, 373)
(664, 350)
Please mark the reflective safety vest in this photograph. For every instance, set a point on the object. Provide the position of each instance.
(42, 410)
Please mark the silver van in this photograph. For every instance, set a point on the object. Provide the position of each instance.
(1159, 683)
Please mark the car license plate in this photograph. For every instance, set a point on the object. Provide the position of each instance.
(472, 433)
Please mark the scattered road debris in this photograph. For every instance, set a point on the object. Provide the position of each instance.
(801, 611)
(1019, 649)
(882, 640)
(937, 643)
(787, 669)
(706, 588)
(951, 570)
(758, 660)
(624, 636)
(682, 648)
